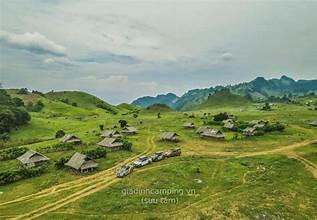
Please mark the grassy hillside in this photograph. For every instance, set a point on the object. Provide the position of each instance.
(80, 99)
(223, 98)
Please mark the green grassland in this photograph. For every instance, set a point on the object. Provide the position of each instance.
(260, 177)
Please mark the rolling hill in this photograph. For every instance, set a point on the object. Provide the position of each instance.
(223, 98)
(81, 99)
(158, 108)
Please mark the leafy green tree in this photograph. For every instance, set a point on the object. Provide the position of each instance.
(123, 123)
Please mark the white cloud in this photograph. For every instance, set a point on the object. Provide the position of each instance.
(32, 42)
(58, 60)
(227, 56)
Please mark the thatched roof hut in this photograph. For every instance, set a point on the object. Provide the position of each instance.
(169, 136)
(313, 123)
(70, 138)
(110, 133)
(81, 163)
(249, 131)
(212, 133)
(228, 124)
(189, 125)
(129, 130)
(112, 143)
(32, 158)
(202, 129)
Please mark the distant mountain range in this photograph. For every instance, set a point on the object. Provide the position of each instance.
(169, 99)
(259, 88)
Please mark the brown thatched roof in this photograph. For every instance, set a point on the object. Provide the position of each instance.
(202, 129)
(110, 133)
(110, 142)
(70, 138)
(129, 130)
(313, 123)
(189, 125)
(172, 136)
(212, 133)
(32, 157)
(81, 162)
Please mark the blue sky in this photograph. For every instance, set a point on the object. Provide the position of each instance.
(121, 50)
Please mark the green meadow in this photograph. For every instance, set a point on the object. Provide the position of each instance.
(272, 176)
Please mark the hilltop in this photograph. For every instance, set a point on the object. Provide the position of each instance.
(223, 98)
(169, 99)
(80, 99)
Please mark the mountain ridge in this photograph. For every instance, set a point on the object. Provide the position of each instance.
(259, 88)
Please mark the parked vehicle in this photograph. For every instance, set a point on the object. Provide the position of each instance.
(158, 156)
(142, 161)
(173, 153)
(125, 170)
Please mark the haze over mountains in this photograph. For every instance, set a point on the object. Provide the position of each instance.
(259, 88)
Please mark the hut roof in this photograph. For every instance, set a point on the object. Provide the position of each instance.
(110, 142)
(212, 133)
(32, 157)
(169, 135)
(202, 129)
(68, 138)
(189, 124)
(81, 161)
(129, 130)
(109, 133)
(313, 123)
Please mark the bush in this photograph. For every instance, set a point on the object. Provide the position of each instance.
(60, 163)
(101, 127)
(127, 145)
(57, 147)
(123, 123)
(23, 91)
(74, 104)
(274, 127)
(97, 153)
(221, 116)
(4, 136)
(12, 153)
(59, 134)
(22, 173)
(35, 108)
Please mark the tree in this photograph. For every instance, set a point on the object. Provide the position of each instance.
(23, 91)
(17, 102)
(123, 123)
(135, 115)
(159, 115)
(74, 104)
(221, 116)
(101, 127)
(59, 134)
(266, 107)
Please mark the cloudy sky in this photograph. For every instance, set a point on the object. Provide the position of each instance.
(120, 50)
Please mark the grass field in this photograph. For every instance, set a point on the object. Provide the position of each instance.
(264, 177)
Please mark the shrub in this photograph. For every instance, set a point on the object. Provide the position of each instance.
(127, 145)
(74, 104)
(123, 123)
(23, 91)
(97, 153)
(274, 127)
(57, 147)
(11, 176)
(59, 134)
(101, 127)
(12, 153)
(221, 116)
(35, 108)
(60, 163)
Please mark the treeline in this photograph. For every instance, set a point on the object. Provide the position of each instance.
(11, 176)
(12, 114)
